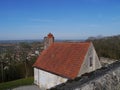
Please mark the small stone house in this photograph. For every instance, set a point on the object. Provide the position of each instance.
(61, 61)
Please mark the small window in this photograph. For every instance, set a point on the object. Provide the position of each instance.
(91, 61)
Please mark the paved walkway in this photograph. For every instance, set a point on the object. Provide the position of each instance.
(29, 87)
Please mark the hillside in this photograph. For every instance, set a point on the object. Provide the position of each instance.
(107, 46)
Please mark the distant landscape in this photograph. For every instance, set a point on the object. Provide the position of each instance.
(18, 56)
(17, 41)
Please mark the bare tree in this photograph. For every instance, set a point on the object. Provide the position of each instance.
(25, 48)
(2, 71)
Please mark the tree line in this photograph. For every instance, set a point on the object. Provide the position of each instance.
(108, 47)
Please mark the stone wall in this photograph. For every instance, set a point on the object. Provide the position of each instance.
(106, 78)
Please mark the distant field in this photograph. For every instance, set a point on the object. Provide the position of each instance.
(16, 83)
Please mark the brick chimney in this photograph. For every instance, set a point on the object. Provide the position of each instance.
(48, 40)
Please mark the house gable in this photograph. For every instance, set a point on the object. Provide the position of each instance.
(91, 61)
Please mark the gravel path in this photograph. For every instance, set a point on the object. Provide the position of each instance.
(29, 87)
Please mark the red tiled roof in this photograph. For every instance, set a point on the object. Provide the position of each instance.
(63, 59)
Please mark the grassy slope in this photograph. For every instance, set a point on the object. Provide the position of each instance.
(16, 83)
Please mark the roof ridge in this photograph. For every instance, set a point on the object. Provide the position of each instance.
(71, 42)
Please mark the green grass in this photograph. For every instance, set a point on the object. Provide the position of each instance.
(16, 83)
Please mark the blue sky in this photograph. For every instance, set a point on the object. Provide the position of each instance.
(66, 19)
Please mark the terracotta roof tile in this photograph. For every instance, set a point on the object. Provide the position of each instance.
(63, 59)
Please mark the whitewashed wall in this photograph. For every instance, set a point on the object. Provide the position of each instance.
(36, 74)
(47, 80)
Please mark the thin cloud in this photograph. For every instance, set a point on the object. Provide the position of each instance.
(90, 25)
(93, 0)
(42, 20)
(116, 23)
(100, 15)
(93, 25)
(71, 35)
(116, 18)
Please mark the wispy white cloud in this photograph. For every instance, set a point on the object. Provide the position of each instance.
(116, 23)
(100, 15)
(93, 0)
(71, 35)
(115, 18)
(90, 25)
(93, 25)
(42, 20)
